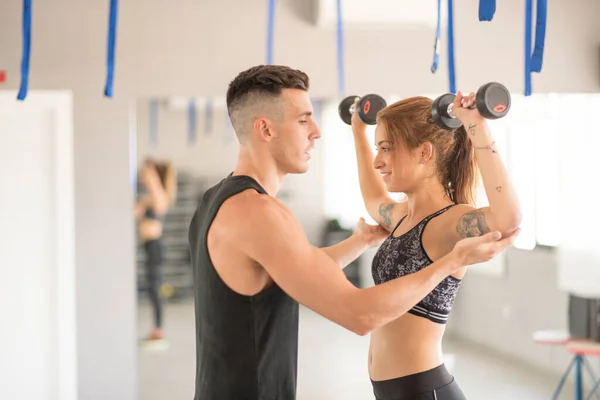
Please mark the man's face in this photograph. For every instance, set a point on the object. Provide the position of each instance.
(294, 133)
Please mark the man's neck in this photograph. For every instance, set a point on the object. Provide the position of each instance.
(261, 168)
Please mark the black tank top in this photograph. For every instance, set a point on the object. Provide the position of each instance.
(246, 346)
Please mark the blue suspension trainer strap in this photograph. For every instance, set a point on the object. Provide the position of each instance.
(540, 36)
(340, 50)
(451, 72)
(192, 121)
(436, 44)
(487, 8)
(26, 50)
(110, 57)
(528, 17)
(270, 28)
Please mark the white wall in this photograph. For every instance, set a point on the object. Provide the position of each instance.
(38, 347)
(192, 48)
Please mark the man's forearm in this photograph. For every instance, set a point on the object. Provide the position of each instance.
(381, 304)
(346, 251)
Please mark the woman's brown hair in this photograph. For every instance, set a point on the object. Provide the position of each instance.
(409, 122)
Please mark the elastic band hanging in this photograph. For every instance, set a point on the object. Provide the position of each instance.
(110, 57)
(26, 50)
(192, 124)
(487, 9)
(270, 28)
(528, 17)
(340, 50)
(451, 72)
(436, 45)
(537, 57)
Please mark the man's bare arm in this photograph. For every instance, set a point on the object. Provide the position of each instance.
(272, 236)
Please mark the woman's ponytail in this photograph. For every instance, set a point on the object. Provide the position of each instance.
(461, 170)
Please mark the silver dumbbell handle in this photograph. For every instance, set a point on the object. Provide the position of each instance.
(449, 110)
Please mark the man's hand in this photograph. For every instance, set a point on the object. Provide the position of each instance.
(371, 235)
(479, 249)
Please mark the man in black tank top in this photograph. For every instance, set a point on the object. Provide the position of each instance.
(252, 262)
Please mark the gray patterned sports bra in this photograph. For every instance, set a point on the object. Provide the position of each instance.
(404, 255)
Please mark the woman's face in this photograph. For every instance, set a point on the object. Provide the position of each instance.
(399, 166)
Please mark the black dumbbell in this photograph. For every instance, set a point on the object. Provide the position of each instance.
(492, 100)
(368, 107)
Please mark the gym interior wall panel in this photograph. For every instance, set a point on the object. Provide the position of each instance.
(503, 313)
(37, 253)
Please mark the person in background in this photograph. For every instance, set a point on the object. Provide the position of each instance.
(158, 179)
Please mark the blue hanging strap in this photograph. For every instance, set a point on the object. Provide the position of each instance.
(270, 28)
(340, 50)
(528, 17)
(153, 123)
(487, 8)
(26, 50)
(192, 125)
(436, 45)
(540, 36)
(110, 57)
(208, 118)
(451, 73)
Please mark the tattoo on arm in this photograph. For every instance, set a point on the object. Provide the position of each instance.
(472, 224)
(385, 212)
(471, 129)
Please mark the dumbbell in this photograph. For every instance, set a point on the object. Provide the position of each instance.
(492, 100)
(368, 107)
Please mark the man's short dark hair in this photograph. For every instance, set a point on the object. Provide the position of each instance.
(261, 82)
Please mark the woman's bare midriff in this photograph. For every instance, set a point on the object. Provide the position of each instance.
(405, 346)
(412, 344)
(149, 229)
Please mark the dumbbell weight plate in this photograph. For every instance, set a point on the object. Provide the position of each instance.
(493, 100)
(439, 112)
(344, 109)
(369, 106)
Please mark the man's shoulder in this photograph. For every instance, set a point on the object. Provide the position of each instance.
(250, 205)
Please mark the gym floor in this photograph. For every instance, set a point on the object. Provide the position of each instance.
(332, 363)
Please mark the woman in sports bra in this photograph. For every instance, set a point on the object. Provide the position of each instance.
(159, 183)
(437, 170)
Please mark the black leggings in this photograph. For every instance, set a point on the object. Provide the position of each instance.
(154, 260)
(433, 384)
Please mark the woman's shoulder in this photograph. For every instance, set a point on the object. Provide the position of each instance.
(448, 221)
